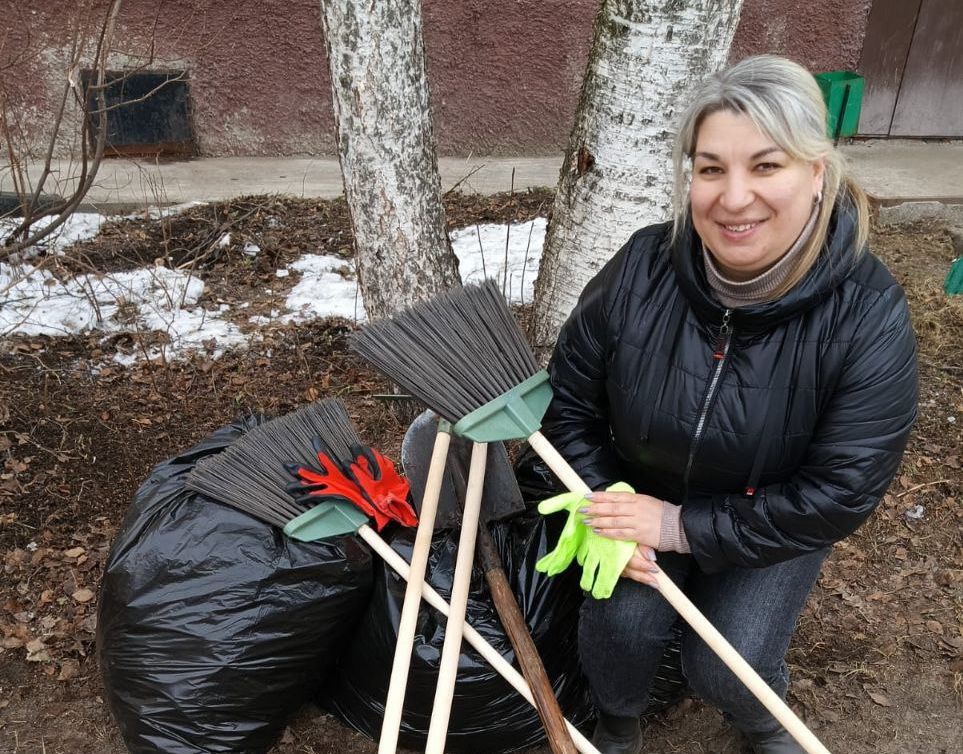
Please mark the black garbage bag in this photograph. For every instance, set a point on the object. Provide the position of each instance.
(537, 482)
(487, 714)
(212, 626)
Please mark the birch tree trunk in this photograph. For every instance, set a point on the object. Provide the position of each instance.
(617, 175)
(387, 151)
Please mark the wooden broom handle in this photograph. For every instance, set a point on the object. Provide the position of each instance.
(692, 615)
(451, 650)
(546, 705)
(528, 659)
(394, 704)
(502, 666)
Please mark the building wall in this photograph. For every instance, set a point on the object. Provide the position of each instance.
(822, 35)
(505, 74)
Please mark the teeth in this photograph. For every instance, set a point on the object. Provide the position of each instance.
(741, 228)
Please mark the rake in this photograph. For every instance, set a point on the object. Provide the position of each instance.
(463, 354)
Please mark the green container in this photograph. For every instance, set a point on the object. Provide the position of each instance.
(954, 279)
(843, 95)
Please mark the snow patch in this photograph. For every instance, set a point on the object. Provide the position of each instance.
(34, 302)
(80, 226)
(328, 288)
(482, 252)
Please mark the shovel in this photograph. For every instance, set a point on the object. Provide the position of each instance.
(501, 499)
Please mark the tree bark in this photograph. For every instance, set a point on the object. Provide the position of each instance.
(617, 175)
(387, 151)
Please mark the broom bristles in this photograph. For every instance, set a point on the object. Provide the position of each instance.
(455, 352)
(252, 475)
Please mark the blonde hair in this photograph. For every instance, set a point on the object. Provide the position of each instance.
(784, 101)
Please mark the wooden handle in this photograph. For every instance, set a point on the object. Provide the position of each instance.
(691, 614)
(450, 652)
(515, 627)
(394, 704)
(532, 668)
(502, 666)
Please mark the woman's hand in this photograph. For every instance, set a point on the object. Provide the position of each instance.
(625, 515)
(629, 516)
(642, 567)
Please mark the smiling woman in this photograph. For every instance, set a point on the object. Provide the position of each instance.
(750, 371)
(752, 150)
(750, 200)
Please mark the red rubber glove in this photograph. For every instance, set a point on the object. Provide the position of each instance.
(383, 485)
(330, 482)
(369, 482)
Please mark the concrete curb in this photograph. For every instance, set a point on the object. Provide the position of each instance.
(910, 212)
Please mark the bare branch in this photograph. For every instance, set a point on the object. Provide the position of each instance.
(174, 77)
(89, 166)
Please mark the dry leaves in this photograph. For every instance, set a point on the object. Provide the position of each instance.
(83, 595)
(879, 698)
(69, 669)
(37, 651)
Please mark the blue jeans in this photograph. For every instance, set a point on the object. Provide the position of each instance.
(621, 639)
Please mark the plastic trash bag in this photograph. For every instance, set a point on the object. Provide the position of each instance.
(212, 626)
(487, 714)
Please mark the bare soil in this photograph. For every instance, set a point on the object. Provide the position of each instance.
(878, 658)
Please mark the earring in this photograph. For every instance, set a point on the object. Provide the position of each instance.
(818, 198)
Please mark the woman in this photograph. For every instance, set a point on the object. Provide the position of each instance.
(750, 371)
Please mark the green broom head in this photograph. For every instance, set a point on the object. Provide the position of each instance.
(464, 356)
(251, 475)
(331, 519)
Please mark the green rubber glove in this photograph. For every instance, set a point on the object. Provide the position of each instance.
(602, 559)
(572, 536)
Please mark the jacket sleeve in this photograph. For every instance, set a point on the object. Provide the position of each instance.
(577, 422)
(852, 458)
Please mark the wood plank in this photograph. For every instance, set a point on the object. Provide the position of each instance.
(889, 34)
(930, 101)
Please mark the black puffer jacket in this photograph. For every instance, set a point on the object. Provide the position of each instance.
(776, 426)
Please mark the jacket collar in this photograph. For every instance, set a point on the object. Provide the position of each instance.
(834, 264)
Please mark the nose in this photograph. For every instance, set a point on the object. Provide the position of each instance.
(736, 192)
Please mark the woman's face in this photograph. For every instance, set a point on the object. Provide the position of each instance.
(750, 200)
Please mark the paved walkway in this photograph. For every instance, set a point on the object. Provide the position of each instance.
(892, 171)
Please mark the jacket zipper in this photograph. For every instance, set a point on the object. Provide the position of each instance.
(719, 354)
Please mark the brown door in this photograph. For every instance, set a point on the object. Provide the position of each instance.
(913, 65)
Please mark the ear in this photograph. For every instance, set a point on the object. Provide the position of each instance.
(819, 173)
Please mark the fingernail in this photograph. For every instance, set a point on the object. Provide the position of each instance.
(583, 510)
(650, 555)
(589, 495)
(597, 531)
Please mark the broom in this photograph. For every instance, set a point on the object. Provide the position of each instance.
(463, 354)
(408, 623)
(253, 475)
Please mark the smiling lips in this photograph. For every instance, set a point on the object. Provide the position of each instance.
(739, 230)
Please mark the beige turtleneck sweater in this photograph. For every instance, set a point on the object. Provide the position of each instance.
(758, 290)
(733, 294)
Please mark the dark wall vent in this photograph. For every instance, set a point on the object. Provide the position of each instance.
(148, 113)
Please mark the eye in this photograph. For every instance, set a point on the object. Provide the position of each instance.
(710, 170)
(767, 167)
